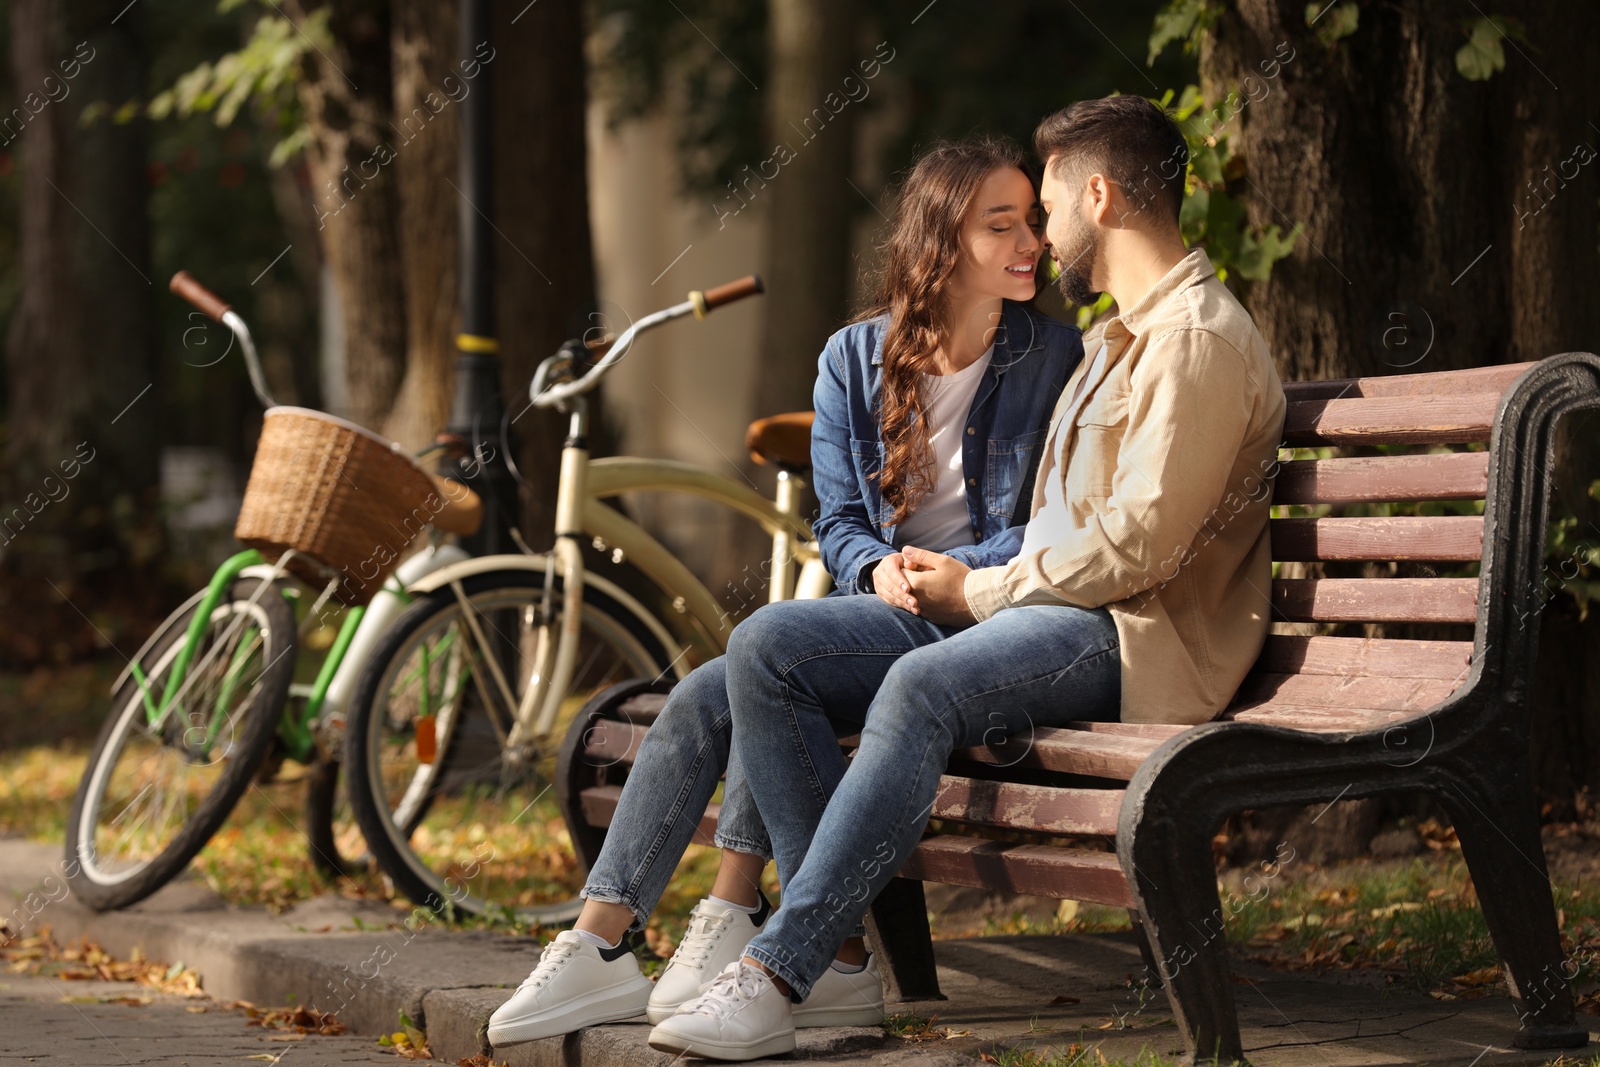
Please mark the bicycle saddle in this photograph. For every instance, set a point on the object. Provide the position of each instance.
(784, 441)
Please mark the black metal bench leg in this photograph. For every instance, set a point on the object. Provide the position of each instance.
(1152, 973)
(897, 927)
(1174, 882)
(1498, 824)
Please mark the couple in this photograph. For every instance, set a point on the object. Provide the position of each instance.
(928, 417)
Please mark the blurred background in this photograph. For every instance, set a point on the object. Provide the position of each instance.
(1390, 187)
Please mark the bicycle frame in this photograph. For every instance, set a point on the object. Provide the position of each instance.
(338, 671)
(583, 516)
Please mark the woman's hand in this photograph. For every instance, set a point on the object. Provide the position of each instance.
(889, 582)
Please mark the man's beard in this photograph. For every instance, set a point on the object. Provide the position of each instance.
(1076, 261)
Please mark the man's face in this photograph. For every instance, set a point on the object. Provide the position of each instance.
(1074, 242)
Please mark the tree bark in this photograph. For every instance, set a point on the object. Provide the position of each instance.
(811, 46)
(1414, 184)
(78, 483)
(544, 264)
(347, 95)
(426, 131)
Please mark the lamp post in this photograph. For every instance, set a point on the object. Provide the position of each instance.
(477, 409)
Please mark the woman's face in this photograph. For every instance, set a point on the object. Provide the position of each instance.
(1000, 239)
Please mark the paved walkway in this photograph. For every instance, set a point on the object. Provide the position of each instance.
(359, 960)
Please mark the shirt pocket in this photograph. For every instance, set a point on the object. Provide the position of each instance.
(1101, 426)
(868, 456)
(1009, 461)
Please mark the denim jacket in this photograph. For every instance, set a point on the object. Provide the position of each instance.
(1033, 356)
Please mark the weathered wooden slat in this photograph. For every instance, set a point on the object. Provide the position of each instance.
(1336, 691)
(1160, 731)
(1102, 755)
(1391, 420)
(1360, 479)
(642, 708)
(1375, 600)
(1320, 720)
(1494, 379)
(611, 741)
(1040, 808)
(1371, 656)
(600, 805)
(1403, 537)
(1037, 870)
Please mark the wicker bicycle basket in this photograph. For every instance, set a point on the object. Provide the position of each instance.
(348, 501)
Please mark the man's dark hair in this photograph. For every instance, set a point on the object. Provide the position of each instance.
(1128, 139)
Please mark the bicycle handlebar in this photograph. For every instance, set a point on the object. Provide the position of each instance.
(184, 285)
(214, 306)
(699, 304)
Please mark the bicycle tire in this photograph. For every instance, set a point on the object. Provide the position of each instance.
(435, 857)
(237, 749)
(327, 841)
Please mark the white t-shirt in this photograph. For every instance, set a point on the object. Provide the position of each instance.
(1052, 522)
(940, 521)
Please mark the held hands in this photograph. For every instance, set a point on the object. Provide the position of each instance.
(937, 586)
(889, 582)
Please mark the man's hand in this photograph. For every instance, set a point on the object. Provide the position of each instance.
(889, 582)
(937, 586)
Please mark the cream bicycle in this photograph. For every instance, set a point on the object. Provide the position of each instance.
(452, 728)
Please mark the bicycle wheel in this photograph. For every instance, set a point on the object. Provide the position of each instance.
(155, 791)
(456, 818)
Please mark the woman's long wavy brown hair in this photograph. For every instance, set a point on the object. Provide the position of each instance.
(916, 264)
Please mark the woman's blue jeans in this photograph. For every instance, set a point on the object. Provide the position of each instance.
(802, 673)
(671, 782)
(809, 672)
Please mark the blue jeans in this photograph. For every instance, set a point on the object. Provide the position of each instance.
(801, 673)
(668, 788)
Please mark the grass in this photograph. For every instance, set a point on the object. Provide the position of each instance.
(259, 856)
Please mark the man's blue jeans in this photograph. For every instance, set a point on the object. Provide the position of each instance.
(668, 788)
(802, 673)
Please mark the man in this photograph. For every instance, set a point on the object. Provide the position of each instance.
(1140, 591)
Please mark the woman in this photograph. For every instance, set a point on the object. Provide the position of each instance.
(930, 412)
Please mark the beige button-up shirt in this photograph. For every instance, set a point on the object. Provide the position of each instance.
(1167, 480)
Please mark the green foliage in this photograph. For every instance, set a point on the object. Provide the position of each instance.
(1481, 56)
(1181, 20)
(1211, 217)
(265, 71)
(1332, 22)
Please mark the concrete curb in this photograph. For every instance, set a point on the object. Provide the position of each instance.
(360, 960)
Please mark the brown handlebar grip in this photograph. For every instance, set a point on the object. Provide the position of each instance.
(727, 294)
(185, 286)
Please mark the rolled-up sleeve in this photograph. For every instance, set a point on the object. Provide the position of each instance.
(1190, 406)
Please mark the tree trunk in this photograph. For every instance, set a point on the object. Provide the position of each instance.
(426, 132)
(811, 47)
(347, 97)
(80, 471)
(1415, 184)
(544, 265)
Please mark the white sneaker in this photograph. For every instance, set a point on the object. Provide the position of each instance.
(840, 999)
(576, 984)
(716, 937)
(740, 1016)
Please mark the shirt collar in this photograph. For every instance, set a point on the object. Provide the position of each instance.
(1192, 269)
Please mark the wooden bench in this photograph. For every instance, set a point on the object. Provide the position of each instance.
(1319, 718)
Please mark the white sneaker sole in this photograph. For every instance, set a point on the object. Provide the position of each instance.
(611, 1005)
(712, 1049)
(865, 1015)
